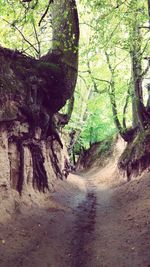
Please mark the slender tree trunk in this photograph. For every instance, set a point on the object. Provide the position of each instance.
(114, 107)
(75, 133)
(137, 95)
(125, 108)
(111, 92)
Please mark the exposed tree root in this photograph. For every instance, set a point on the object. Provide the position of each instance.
(55, 162)
(40, 178)
(21, 168)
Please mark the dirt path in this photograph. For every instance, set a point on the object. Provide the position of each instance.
(87, 223)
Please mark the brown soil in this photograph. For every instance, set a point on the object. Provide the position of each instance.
(91, 220)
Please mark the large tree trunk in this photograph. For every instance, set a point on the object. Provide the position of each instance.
(31, 91)
(64, 52)
(138, 110)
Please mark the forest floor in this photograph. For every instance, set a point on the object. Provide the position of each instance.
(91, 220)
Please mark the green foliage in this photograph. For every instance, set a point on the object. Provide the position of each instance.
(19, 26)
(106, 145)
(106, 26)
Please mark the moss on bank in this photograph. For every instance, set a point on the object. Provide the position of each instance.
(97, 154)
(136, 157)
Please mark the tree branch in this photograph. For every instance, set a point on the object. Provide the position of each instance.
(38, 42)
(25, 39)
(125, 109)
(45, 13)
(102, 80)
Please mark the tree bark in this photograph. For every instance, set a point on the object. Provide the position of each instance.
(137, 97)
(64, 50)
(136, 66)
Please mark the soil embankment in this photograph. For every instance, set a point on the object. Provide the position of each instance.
(93, 220)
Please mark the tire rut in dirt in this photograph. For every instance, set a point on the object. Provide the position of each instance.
(84, 227)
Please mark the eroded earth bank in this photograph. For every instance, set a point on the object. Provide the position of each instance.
(95, 219)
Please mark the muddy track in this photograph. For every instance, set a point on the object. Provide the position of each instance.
(88, 224)
(84, 226)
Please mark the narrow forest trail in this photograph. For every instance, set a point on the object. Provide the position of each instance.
(88, 222)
